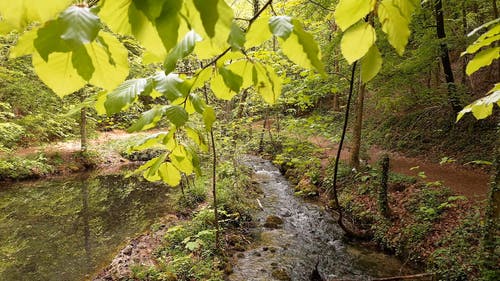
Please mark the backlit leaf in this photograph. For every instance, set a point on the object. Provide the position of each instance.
(110, 59)
(82, 62)
(258, 32)
(58, 73)
(148, 142)
(169, 174)
(219, 87)
(395, 15)
(482, 59)
(181, 159)
(267, 83)
(482, 107)
(356, 41)
(348, 12)
(209, 117)
(233, 81)
(302, 49)
(24, 45)
(209, 14)
(371, 64)
(168, 23)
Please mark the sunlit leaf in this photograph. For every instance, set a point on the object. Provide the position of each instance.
(482, 59)
(82, 62)
(24, 45)
(267, 83)
(233, 81)
(168, 23)
(58, 73)
(348, 12)
(181, 159)
(169, 174)
(395, 15)
(110, 59)
(482, 107)
(209, 117)
(148, 142)
(479, 44)
(371, 64)
(356, 41)
(243, 68)
(219, 87)
(302, 49)
(49, 39)
(258, 32)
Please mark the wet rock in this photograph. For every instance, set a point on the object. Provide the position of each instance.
(257, 254)
(273, 222)
(281, 274)
(240, 255)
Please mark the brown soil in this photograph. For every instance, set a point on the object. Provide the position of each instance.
(470, 182)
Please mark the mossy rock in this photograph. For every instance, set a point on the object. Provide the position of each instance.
(306, 188)
(273, 222)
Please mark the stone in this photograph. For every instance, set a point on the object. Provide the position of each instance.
(273, 222)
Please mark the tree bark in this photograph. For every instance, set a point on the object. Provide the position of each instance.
(383, 202)
(358, 125)
(445, 58)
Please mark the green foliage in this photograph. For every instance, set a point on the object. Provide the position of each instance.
(19, 168)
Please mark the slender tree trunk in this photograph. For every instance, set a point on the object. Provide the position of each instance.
(241, 107)
(214, 191)
(445, 58)
(464, 31)
(383, 202)
(358, 125)
(495, 16)
(83, 125)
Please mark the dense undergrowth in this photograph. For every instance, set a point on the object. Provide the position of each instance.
(428, 225)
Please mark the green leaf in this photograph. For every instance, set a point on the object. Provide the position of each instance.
(18, 14)
(82, 26)
(82, 62)
(168, 23)
(267, 83)
(356, 41)
(171, 85)
(482, 107)
(110, 59)
(198, 103)
(209, 117)
(148, 142)
(49, 39)
(371, 64)
(482, 59)
(281, 26)
(348, 12)
(197, 138)
(177, 115)
(219, 87)
(125, 94)
(209, 14)
(25, 44)
(395, 16)
(302, 49)
(151, 8)
(474, 47)
(181, 159)
(243, 68)
(258, 32)
(151, 173)
(58, 73)
(233, 81)
(148, 119)
(236, 38)
(181, 50)
(169, 174)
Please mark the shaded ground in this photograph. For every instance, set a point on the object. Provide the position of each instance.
(469, 182)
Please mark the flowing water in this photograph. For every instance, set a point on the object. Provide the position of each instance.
(67, 229)
(308, 235)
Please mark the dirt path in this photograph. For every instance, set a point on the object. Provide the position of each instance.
(473, 183)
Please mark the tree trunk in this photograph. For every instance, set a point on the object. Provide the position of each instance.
(445, 58)
(383, 202)
(492, 216)
(358, 125)
(83, 125)
(464, 31)
(495, 16)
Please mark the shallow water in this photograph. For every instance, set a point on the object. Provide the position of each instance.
(67, 229)
(308, 235)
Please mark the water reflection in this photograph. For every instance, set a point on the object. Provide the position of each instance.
(66, 229)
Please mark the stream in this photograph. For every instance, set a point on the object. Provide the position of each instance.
(67, 229)
(308, 235)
